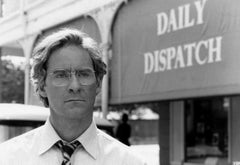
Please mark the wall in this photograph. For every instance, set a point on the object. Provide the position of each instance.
(234, 126)
(164, 134)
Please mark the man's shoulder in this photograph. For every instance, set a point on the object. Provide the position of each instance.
(18, 143)
(111, 147)
(106, 139)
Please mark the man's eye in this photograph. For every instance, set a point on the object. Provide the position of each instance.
(84, 73)
(60, 75)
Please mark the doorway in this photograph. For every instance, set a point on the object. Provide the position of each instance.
(206, 129)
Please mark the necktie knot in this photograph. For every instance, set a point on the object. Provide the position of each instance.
(67, 150)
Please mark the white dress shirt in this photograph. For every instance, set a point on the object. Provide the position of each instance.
(37, 148)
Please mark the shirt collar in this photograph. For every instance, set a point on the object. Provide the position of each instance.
(88, 139)
(48, 137)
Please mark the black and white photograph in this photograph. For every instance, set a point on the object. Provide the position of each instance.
(119, 82)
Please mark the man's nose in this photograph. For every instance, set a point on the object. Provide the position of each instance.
(74, 85)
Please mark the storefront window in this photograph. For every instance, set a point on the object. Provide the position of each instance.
(206, 129)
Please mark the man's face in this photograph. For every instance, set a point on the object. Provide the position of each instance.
(71, 99)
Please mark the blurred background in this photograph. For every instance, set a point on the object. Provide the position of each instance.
(173, 69)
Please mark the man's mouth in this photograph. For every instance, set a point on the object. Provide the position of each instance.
(74, 100)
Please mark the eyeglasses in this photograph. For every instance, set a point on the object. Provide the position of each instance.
(62, 77)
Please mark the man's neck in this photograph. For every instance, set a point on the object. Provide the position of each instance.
(70, 129)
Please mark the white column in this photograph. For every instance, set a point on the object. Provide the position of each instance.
(177, 141)
(104, 18)
(105, 83)
(27, 45)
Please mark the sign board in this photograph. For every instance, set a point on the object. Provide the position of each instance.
(172, 49)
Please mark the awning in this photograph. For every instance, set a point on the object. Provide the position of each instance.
(168, 49)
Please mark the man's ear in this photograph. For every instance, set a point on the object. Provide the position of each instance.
(99, 87)
(42, 92)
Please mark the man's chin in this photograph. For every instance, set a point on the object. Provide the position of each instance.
(75, 113)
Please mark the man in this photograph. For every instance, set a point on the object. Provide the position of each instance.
(123, 132)
(67, 72)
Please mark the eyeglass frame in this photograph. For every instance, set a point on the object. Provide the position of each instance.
(70, 73)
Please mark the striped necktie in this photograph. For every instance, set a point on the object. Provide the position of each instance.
(67, 150)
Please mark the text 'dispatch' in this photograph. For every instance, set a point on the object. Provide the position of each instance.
(188, 54)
